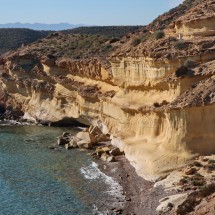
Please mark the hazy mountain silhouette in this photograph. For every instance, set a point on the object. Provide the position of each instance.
(41, 26)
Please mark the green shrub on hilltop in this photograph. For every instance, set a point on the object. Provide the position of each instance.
(75, 41)
(74, 46)
(13, 38)
(108, 31)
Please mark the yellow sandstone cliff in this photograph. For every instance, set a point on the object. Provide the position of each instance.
(155, 98)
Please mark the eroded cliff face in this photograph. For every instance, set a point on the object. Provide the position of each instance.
(198, 22)
(157, 105)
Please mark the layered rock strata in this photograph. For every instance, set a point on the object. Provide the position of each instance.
(156, 99)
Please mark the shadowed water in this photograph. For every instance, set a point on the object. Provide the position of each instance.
(37, 180)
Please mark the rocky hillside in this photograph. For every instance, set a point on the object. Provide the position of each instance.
(14, 38)
(108, 31)
(152, 90)
(180, 20)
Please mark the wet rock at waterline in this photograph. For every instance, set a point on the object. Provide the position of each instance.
(86, 139)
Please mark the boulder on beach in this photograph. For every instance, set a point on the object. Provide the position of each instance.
(68, 146)
(107, 157)
(84, 144)
(73, 142)
(62, 141)
(104, 156)
(102, 149)
(111, 158)
(97, 133)
(116, 152)
(102, 138)
(86, 136)
(65, 134)
(94, 130)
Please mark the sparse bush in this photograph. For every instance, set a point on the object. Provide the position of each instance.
(114, 40)
(106, 48)
(198, 164)
(193, 86)
(197, 175)
(190, 64)
(211, 161)
(184, 180)
(180, 45)
(136, 42)
(181, 71)
(156, 104)
(207, 190)
(198, 180)
(210, 167)
(184, 71)
(198, 183)
(159, 34)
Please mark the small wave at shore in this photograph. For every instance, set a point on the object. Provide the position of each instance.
(14, 122)
(92, 172)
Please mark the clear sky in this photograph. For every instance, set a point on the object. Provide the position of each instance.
(89, 12)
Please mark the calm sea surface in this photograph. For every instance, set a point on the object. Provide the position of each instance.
(35, 180)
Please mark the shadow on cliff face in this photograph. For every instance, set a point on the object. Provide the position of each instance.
(2, 108)
(11, 113)
(65, 122)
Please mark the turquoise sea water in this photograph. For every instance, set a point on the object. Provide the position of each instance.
(35, 180)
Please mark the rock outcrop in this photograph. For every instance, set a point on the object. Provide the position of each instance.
(154, 96)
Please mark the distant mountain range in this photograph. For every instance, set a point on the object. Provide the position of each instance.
(41, 26)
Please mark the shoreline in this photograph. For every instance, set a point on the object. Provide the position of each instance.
(141, 197)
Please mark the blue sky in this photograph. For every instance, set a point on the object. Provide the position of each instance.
(89, 12)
